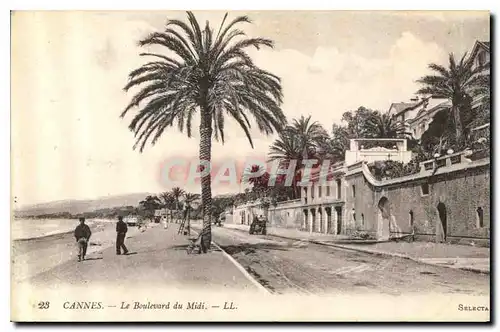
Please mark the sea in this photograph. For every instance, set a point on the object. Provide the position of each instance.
(36, 228)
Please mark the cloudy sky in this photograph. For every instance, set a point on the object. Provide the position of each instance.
(69, 68)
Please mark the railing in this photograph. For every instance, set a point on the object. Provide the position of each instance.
(352, 157)
(442, 161)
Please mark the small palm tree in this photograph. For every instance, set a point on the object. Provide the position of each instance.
(150, 204)
(383, 125)
(177, 193)
(189, 200)
(212, 75)
(308, 133)
(456, 83)
(168, 202)
(299, 141)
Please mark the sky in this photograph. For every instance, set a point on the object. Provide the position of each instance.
(69, 69)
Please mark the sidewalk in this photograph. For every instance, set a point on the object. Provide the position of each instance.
(476, 259)
(157, 256)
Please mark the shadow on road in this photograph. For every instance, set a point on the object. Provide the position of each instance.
(93, 259)
(248, 248)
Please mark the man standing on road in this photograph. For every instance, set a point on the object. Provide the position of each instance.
(82, 236)
(121, 231)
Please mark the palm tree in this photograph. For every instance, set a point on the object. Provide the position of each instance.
(150, 204)
(481, 95)
(210, 74)
(456, 83)
(285, 148)
(335, 146)
(189, 200)
(177, 193)
(168, 202)
(299, 141)
(383, 125)
(308, 133)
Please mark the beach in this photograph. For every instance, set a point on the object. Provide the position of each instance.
(33, 255)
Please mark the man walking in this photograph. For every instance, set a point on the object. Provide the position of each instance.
(121, 231)
(82, 236)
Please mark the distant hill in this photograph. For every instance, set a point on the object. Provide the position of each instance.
(80, 206)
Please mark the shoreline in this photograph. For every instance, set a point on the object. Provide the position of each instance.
(55, 235)
(30, 257)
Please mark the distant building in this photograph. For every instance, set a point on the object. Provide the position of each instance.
(418, 113)
(481, 53)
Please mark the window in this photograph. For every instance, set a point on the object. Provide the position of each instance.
(362, 219)
(425, 189)
(327, 191)
(481, 58)
(319, 191)
(411, 219)
(353, 191)
(479, 218)
(339, 188)
(312, 191)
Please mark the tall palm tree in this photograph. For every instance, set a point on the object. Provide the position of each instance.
(211, 74)
(456, 83)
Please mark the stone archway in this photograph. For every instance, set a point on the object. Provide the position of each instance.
(384, 219)
(442, 225)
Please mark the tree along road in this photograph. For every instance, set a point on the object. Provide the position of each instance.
(290, 266)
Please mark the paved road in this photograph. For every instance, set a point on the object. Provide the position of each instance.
(288, 266)
(157, 258)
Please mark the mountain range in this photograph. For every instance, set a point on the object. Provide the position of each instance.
(75, 206)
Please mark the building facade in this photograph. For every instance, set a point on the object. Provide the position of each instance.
(447, 201)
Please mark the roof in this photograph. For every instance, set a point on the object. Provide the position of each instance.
(399, 107)
(403, 107)
(480, 44)
(432, 109)
(485, 45)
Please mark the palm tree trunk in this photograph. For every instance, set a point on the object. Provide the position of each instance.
(206, 188)
(458, 123)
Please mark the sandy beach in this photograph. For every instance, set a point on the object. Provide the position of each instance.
(30, 257)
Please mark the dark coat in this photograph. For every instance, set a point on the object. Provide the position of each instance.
(82, 231)
(121, 227)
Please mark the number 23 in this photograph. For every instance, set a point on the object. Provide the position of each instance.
(43, 305)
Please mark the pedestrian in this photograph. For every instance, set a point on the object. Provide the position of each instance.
(121, 231)
(82, 236)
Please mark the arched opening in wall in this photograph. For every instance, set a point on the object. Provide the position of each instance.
(313, 220)
(328, 215)
(305, 219)
(363, 220)
(479, 217)
(411, 219)
(338, 212)
(443, 219)
(384, 218)
(339, 188)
